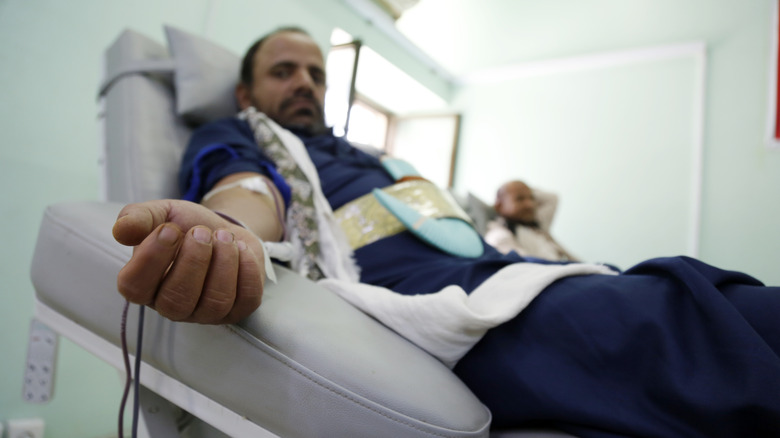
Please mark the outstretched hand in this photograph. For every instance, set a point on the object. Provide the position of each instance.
(188, 263)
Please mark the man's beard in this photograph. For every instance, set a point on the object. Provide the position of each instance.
(512, 224)
(309, 129)
(317, 126)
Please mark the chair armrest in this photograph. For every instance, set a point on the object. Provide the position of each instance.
(299, 366)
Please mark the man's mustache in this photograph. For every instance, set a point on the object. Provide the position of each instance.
(286, 103)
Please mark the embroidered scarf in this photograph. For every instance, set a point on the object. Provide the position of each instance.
(311, 226)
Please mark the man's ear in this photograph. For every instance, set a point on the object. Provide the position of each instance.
(243, 96)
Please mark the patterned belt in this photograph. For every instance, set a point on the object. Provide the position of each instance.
(365, 220)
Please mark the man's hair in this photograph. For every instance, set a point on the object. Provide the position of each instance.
(247, 64)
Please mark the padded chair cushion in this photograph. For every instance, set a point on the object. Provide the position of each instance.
(205, 77)
(305, 364)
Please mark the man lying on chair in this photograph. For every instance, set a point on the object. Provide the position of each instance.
(670, 347)
(523, 224)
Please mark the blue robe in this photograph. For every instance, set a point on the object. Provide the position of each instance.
(671, 347)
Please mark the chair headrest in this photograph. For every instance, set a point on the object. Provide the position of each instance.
(205, 76)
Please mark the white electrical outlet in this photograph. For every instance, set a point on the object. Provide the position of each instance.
(26, 428)
(39, 369)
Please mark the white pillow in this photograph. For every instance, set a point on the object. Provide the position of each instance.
(205, 77)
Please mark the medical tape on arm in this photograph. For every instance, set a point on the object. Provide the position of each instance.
(255, 184)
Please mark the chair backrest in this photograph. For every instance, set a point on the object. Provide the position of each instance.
(143, 137)
(479, 211)
(151, 99)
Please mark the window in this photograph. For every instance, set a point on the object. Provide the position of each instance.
(373, 102)
(340, 70)
(368, 124)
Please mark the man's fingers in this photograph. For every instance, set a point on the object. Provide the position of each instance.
(193, 275)
(249, 287)
(141, 276)
(219, 288)
(180, 291)
(136, 221)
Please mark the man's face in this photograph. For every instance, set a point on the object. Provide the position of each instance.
(288, 81)
(517, 203)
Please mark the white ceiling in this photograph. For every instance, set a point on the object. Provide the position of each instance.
(469, 36)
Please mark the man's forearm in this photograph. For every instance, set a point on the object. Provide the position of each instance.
(262, 214)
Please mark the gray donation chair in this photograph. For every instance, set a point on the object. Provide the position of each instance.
(306, 364)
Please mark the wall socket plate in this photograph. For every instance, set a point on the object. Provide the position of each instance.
(25, 428)
(41, 359)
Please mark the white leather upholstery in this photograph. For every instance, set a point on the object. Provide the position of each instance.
(305, 364)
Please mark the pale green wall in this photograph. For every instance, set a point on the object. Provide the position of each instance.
(50, 67)
(741, 176)
(616, 143)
